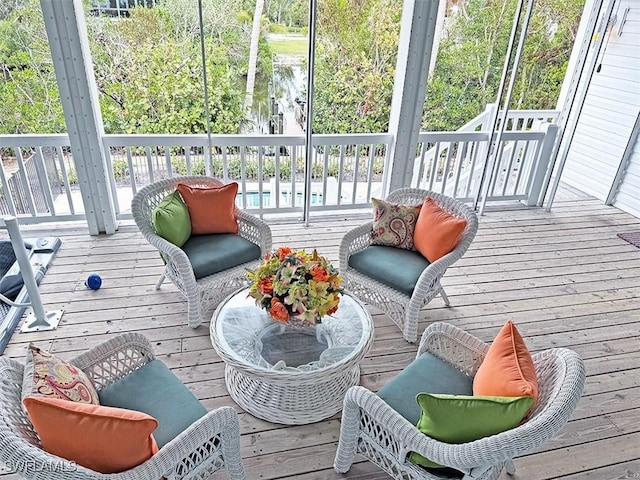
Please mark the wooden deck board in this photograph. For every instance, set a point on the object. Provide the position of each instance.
(564, 277)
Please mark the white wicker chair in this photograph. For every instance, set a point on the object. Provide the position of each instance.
(372, 428)
(402, 309)
(208, 445)
(203, 294)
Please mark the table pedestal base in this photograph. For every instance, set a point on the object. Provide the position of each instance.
(296, 402)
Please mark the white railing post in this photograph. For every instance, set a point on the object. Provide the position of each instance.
(542, 162)
(38, 319)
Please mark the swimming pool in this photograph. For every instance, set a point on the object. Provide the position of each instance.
(253, 199)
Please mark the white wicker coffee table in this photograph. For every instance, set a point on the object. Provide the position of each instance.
(290, 375)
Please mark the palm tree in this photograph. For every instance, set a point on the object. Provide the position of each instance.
(253, 53)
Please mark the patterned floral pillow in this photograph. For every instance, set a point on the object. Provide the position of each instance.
(393, 224)
(46, 375)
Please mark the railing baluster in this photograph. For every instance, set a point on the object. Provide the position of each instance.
(276, 168)
(370, 172)
(462, 159)
(132, 170)
(65, 179)
(8, 197)
(243, 176)
(325, 175)
(152, 177)
(340, 174)
(421, 164)
(514, 148)
(167, 160)
(433, 171)
(491, 191)
(43, 179)
(25, 182)
(445, 170)
(294, 167)
(356, 173)
(259, 173)
(524, 167)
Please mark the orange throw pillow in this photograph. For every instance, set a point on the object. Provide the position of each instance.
(212, 210)
(437, 232)
(507, 370)
(104, 439)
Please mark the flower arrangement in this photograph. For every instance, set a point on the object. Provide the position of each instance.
(295, 284)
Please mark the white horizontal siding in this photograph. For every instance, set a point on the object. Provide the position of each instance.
(628, 196)
(609, 113)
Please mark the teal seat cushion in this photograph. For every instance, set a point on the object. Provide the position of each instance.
(171, 219)
(215, 253)
(394, 267)
(153, 389)
(426, 374)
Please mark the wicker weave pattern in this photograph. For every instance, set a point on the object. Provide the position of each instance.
(370, 427)
(208, 445)
(404, 310)
(292, 397)
(207, 292)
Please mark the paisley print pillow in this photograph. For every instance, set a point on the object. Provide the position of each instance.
(46, 375)
(393, 224)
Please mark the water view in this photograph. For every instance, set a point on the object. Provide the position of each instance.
(278, 102)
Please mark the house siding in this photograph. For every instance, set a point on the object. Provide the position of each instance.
(628, 196)
(608, 116)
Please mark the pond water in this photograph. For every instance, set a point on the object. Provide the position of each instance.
(287, 84)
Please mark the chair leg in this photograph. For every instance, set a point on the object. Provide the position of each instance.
(160, 280)
(444, 297)
(510, 467)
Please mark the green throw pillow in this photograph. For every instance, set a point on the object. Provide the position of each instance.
(465, 418)
(171, 219)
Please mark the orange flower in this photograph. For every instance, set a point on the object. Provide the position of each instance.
(283, 252)
(265, 285)
(319, 273)
(278, 310)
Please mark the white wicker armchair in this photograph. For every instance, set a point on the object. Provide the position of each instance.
(373, 429)
(402, 309)
(208, 445)
(205, 293)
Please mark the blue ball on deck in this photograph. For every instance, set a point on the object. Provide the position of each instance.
(93, 281)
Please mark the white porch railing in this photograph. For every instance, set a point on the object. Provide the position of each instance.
(39, 181)
(453, 163)
(346, 169)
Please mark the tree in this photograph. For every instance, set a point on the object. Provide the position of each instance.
(253, 53)
(148, 68)
(151, 81)
(472, 53)
(355, 67)
(29, 98)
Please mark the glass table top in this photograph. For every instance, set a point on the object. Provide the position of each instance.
(248, 334)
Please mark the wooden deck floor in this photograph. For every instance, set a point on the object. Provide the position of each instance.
(564, 277)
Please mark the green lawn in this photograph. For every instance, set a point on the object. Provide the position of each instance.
(294, 46)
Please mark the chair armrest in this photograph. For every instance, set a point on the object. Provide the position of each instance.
(115, 358)
(454, 346)
(353, 241)
(201, 444)
(255, 230)
(382, 422)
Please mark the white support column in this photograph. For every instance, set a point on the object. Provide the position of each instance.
(67, 33)
(412, 70)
